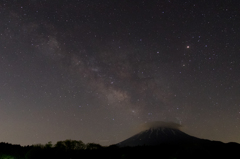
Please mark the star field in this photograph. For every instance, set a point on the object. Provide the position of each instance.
(96, 70)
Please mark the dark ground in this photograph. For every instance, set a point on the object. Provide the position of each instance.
(71, 149)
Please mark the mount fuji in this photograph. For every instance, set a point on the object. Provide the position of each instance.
(157, 136)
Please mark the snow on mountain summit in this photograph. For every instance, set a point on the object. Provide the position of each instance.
(156, 136)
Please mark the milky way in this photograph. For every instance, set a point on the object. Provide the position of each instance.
(95, 71)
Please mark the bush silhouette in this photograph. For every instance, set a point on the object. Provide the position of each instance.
(70, 145)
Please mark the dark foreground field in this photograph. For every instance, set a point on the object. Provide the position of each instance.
(70, 149)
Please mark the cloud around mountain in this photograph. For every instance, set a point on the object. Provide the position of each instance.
(156, 124)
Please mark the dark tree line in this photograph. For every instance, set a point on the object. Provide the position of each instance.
(62, 149)
(77, 149)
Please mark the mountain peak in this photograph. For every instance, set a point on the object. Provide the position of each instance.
(156, 136)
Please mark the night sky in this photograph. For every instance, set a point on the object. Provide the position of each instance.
(94, 70)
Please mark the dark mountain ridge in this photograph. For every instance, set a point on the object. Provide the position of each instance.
(160, 135)
(174, 142)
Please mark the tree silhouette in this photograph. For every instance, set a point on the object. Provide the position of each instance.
(70, 145)
(93, 146)
(48, 145)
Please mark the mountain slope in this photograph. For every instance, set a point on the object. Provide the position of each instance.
(158, 135)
